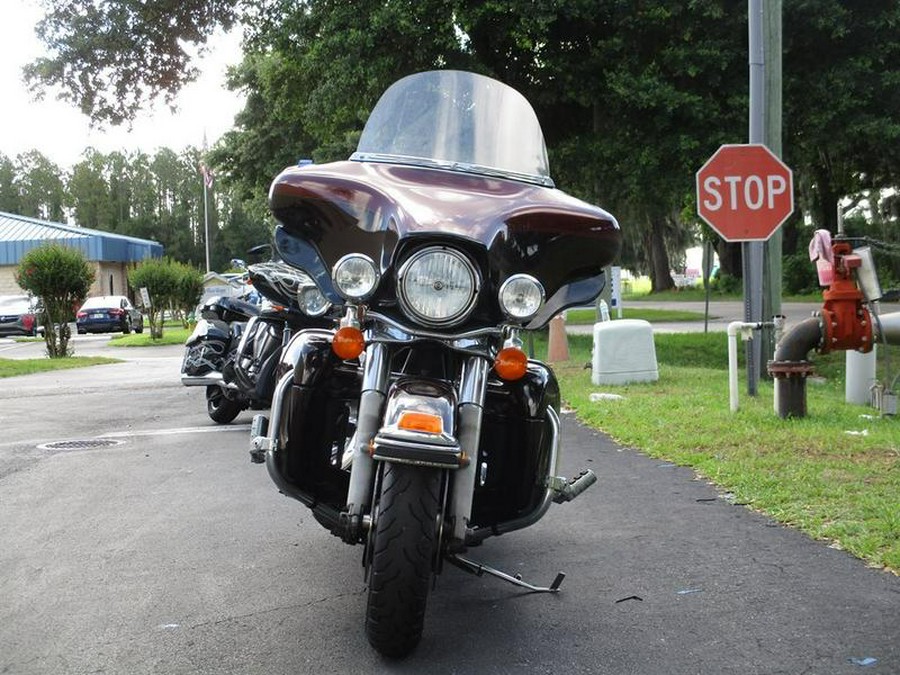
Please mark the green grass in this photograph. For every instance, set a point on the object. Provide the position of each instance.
(589, 316)
(638, 290)
(13, 367)
(171, 336)
(806, 473)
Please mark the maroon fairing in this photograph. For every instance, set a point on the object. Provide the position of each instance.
(365, 207)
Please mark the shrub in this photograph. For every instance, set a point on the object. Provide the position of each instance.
(173, 286)
(798, 274)
(190, 288)
(160, 278)
(724, 283)
(61, 277)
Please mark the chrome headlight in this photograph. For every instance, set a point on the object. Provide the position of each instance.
(437, 286)
(312, 302)
(521, 296)
(355, 276)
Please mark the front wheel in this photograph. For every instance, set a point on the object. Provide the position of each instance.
(219, 407)
(402, 551)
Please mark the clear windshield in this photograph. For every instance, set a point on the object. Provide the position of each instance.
(457, 121)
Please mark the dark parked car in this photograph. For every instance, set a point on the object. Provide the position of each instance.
(19, 315)
(109, 313)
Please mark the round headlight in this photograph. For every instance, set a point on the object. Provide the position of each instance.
(355, 276)
(312, 302)
(438, 286)
(521, 296)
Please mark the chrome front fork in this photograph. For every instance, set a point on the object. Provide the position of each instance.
(376, 377)
(472, 392)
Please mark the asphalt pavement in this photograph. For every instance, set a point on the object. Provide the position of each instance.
(164, 550)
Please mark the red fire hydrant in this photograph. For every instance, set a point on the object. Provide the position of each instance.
(847, 324)
(844, 323)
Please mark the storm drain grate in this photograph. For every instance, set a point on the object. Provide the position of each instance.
(86, 444)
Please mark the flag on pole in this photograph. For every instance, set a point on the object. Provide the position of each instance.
(205, 171)
(208, 175)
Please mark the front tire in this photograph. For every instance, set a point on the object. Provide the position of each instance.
(219, 407)
(403, 549)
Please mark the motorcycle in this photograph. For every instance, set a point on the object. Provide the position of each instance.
(234, 349)
(417, 426)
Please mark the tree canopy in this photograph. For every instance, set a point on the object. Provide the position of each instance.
(111, 58)
(633, 97)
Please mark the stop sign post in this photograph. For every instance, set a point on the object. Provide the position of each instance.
(745, 192)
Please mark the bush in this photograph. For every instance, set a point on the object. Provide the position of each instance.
(726, 284)
(172, 286)
(190, 288)
(798, 275)
(61, 277)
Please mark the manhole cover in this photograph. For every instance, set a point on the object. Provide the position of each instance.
(80, 444)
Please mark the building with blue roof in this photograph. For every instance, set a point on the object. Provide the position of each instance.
(111, 254)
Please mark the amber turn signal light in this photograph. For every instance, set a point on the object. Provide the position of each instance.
(511, 364)
(428, 423)
(348, 343)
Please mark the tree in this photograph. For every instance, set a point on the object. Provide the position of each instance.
(61, 277)
(40, 187)
(112, 58)
(9, 192)
(188, 290)
(162, 278)
(88, 191)
(633, 97)
(630, 97)
(312, 72)
(841, 124)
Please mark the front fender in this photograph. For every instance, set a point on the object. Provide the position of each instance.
(419, 426)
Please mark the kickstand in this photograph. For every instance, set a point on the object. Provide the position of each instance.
(479, 569)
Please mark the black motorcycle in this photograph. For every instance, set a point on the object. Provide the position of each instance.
(417, 426)
(235, 346)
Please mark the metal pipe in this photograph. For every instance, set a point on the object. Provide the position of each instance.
(212, 378)
(889, 328)
(733, 329)
(791, 367)
(797, 342)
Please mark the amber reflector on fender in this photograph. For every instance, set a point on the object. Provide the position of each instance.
(419, 421)
(348, 343)
(511, 363)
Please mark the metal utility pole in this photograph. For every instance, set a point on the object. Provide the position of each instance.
(762, 260)
(773, 247)
(752, 251)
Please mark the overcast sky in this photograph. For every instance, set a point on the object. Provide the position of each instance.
(62, 133)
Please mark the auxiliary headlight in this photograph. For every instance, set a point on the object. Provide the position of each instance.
(355, 276)
(438, 286)
(312, 302)
(521, 296)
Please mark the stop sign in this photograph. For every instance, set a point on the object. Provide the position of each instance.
(745, 192)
